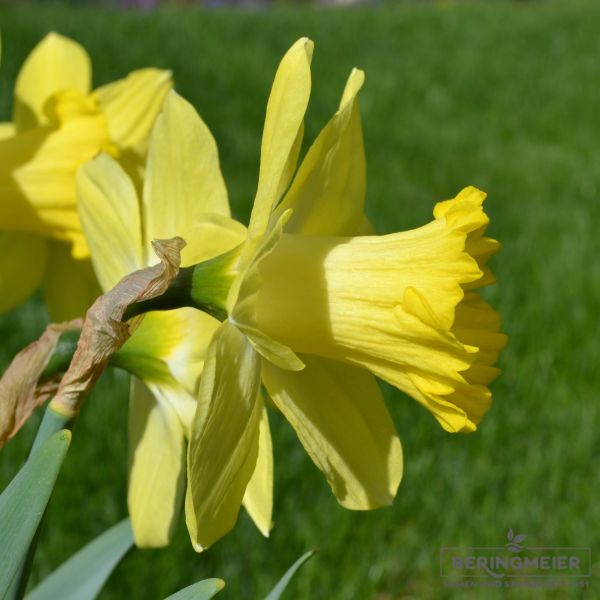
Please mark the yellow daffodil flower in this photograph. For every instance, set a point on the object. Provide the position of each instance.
(186, 197)
(58, 124)
(316, 309)
(336, 409)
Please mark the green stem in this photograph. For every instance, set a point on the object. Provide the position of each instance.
(203, 286)
(178, 295)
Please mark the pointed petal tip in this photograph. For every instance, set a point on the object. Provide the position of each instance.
(354, 84)
(357, 72)
(54, 36)
(308, 45)
(266, 532)
(167, 75)
(198, 547)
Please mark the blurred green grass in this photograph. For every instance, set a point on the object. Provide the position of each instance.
(503, 96)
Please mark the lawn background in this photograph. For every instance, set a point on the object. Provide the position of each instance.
(504, 96)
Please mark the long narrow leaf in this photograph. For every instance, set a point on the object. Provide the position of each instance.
(23, 502)
(203, 590)
(82, 576)
(280, 587)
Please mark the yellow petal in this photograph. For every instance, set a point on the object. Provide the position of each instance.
(183, 178)
(258, 498)
(38, 166)
(342, 421)
(170, 346)
(282, 133)
(243, 298)
(223, 447)
(70, 286)
(156, 467)
(209, 236)
(22, 264)
(392, 304)
(7, 130)
(328, 192)
(110, 216)
(184, 191)
(131, 106)
(56, 64)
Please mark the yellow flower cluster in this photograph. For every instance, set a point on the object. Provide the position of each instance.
(316, 305)
(58, 124)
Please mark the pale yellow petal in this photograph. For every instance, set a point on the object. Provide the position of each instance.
(156, 467)
(26, 206)
(56, 64)
(183, 178)
(170, 345)
(7, 130)
(22, 264)
(110, 216)
(70, 286)
(209, 236)
(131, 106)
(341, 419)
(38, 166)
(328, 192)
(282, 134)
(243, 297)
(184, 191)
(258, 498)
(223, 447)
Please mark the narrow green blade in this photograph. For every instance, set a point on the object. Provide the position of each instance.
(203, 590)
(82, 576)
(280, 587)
(23, 502)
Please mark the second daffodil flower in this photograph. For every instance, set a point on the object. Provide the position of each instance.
(185, 197)
(59, 123)
(316, 308)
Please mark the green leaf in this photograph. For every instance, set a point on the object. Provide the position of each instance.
(52, 422)
(82, 576)
(23, 502)
(280, 587)
(203, 590)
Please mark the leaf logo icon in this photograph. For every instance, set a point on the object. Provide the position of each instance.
(514, 541)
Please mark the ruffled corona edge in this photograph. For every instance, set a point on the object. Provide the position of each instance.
(460, 398)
